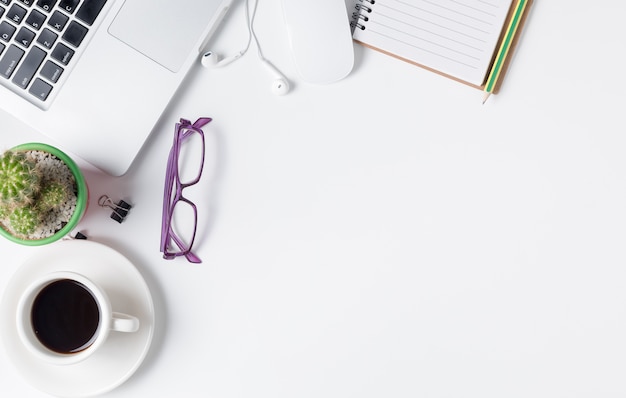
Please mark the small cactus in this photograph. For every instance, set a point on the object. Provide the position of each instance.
(19, 179)
(52, 195)
(34, 193)
(24, 220)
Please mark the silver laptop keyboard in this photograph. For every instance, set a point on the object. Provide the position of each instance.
(40, 40)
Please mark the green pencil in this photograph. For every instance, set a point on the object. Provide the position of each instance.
(505, 46)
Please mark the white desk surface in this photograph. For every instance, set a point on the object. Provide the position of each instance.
(388, 235)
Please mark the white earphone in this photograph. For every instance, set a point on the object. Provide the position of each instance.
(212, 60)
(280, 86)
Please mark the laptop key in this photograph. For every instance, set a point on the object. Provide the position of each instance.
(62, 53)
(47, 38)
(29, 67)
(89, 10)
(6, 31)
(68, 5)
(46, 5)
(16, 13)
(35, 19)
(25, 36)
(75, 33)
(58, 21)
(40, 89)
(51, 71)
(10, 60)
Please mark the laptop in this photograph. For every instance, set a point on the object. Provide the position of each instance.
(95, 76)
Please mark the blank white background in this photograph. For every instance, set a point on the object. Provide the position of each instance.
(387, 235)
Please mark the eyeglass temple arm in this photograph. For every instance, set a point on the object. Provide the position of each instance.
(197, 124)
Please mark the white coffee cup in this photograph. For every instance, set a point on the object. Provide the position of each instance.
(64, 317)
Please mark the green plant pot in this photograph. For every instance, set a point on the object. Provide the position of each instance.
(82, 196)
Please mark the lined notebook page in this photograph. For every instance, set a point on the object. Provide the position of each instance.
(454, 37)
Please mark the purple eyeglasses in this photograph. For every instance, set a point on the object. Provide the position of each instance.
(178, 240)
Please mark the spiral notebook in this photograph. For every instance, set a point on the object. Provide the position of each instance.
(455, 38)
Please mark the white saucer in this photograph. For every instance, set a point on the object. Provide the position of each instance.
(121, 354)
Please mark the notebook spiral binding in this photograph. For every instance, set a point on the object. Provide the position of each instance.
(358, 16)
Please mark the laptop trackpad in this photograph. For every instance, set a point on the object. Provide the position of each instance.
(164, 31)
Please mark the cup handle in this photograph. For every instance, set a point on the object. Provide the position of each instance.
(124, 323)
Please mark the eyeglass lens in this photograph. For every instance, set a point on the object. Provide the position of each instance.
(190, 156)
(183, 222)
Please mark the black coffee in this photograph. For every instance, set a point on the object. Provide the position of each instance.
(65, 316)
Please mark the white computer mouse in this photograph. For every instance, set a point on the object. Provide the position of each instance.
(320, 39)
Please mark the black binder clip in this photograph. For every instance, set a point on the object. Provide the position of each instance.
(79, 236)
(120, 209)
